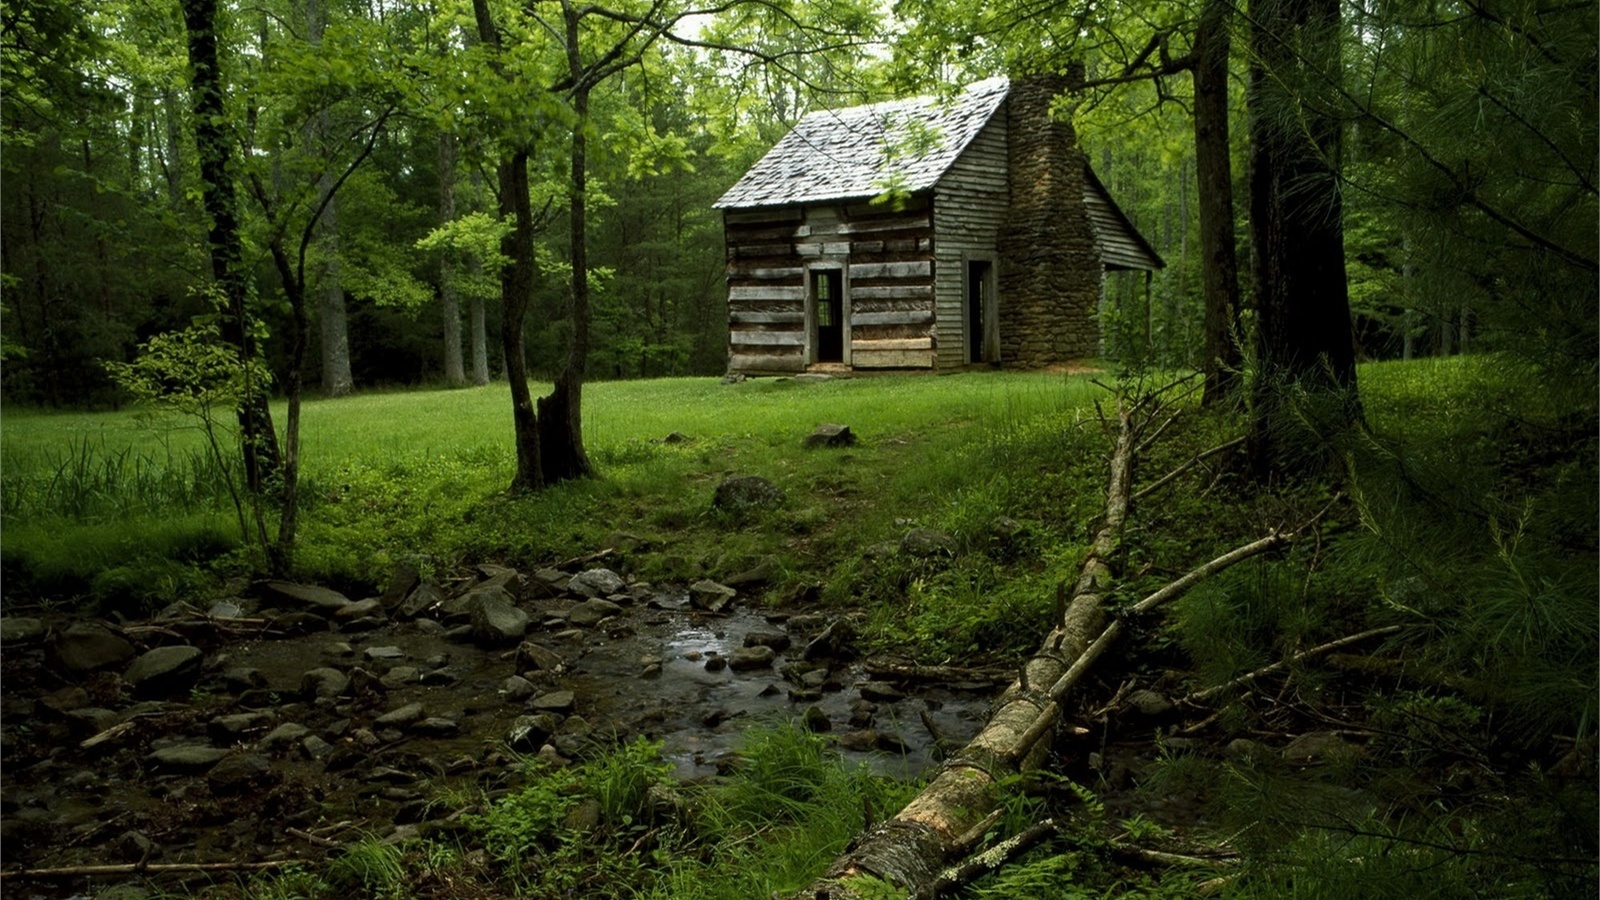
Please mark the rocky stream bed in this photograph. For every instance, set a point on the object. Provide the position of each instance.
(287, 720)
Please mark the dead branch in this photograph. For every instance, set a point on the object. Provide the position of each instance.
(1303, 655)
(144, 868)
(1166, 479)
(904, 671)
(980, 864)
(1162, 858)
(308, 836)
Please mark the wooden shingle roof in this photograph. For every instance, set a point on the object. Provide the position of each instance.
(845, 154)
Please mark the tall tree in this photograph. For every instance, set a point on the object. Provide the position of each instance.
(1219, 270)
(449, 306)
(1305, 352)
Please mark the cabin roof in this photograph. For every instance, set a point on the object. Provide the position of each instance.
(844, 154)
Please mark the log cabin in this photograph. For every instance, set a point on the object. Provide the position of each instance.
(923, 234)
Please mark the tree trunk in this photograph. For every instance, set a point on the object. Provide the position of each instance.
(213, 145)
(1219, 262)
(337, 380)
(449, 306)
(1305, 348)
(478, 319)
(516, 284)
(561, 413)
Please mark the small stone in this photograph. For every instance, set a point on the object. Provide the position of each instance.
(439, 677)
(287, 733)
(591, 612)
(716, 664)
(430, 627)
(496, 620)
(860, 741)
(829, 435)
(243, 678)
(238, 771)
(596, 583)
(1149, 703)
(21, 630)
(556, 701)
(231, 728)
(804, 695)
(436, 726)
(87, 646)
(315, 747)
(301, 596)
(926, 543)
(164, 670)
(745, 493)
(1244, 748)
(400, 717)
(323, 683)
(747, 659)
(531, 656)
(517, 689)
(372, 607)
(881, 691)
(1319, 746)
(777, 640)
(186, 758)
(400, 676)
(528, 733)
(807, 622)
(711, 596)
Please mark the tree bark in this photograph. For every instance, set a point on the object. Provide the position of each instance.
(479, 334)
(516, 284)
(337, 380)
(1305, 345)
(214, 148)
(1219, 266)
(561, 413)
(449, 305)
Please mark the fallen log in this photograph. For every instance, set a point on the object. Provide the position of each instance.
(908, 849)
(143, 868)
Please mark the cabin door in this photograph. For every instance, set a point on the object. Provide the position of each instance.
(982, 342)
(827, 297)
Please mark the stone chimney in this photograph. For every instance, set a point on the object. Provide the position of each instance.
(1050, 270)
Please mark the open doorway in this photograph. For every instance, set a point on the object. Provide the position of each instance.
(982, 342)
(827, 297)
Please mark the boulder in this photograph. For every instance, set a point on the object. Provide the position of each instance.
(301, 596)
(517, 689)
(590, 612)
(881, 691)
(533, 657)
(399, 718)
(371, 607)
(21, 630)
(402, 581)
(761, 572)
(287, 733)
(496, 620)
(87, 647)
(1148, 703)
(777, 640)
(740, 494)
(832, 643)
(596, 583)
(747, 659)
(828, 435)
(553, 702)
(711, 596)
(164, 671)
(237, 772)
(815, 720)
(232, 728)
(243, 678)
(925, 543)
(528, 733)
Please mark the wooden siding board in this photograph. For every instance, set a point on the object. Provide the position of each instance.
(767, 292)
(970, 206)
(767, 338)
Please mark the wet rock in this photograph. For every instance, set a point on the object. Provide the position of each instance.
(134, 846)
(596, 583)
(425, 596)
(429, 627)
(389, 775)
(861, 713)
(239, 771)
(860, 741)
(88, 646)
(400, 676)
(1148, 703)
(552, 757)
(833, 643)
(496, 621)
(402, 581)
(591, 612)
(777, 640)
(926, 543)
(575, 726)
(164, 671)
(370, 608)
(1246, 749)
(555, 701)
(322, 683)
(739, 494)
(231, 608)
(364, 682)
(517, 689)
(401, 717)
(815, 720)
(746, 659)
(889, 742)
(315, 748)
(806, 623)
(295, 624)
(716, 663)
(289, 595)
(814, 679)
(16, 630)
(804, 695)
(91, 720)
(243, 678)
(533, 657)
(711, 596)
(829, 435)
(881, 691)
(287, 733)
(436, 726)
(189, 758)
(529, 733)
(233, 728)
(440, 677)
(339, 649)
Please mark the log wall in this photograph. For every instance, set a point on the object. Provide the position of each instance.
(886, 257)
